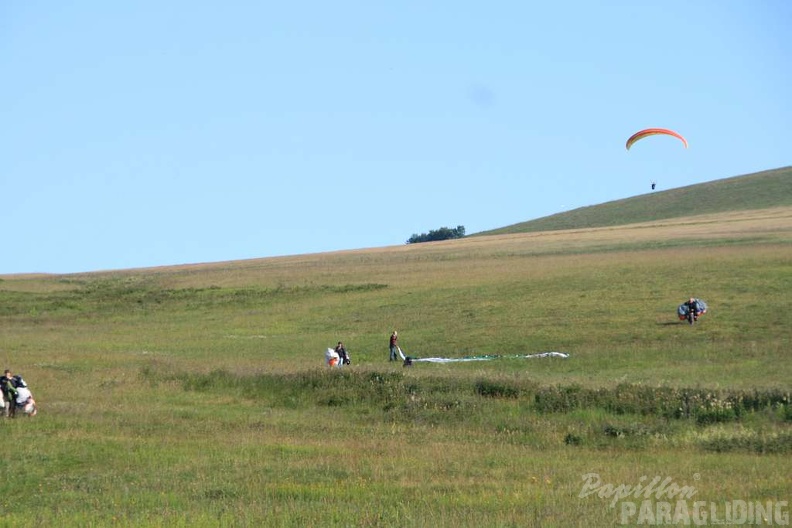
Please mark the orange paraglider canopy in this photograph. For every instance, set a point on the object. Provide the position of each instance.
(653, 132)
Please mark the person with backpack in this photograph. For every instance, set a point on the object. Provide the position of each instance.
(24, 398)
(341, 350)
(694, 307)
(9, 394)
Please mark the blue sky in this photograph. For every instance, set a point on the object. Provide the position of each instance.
(150, 133)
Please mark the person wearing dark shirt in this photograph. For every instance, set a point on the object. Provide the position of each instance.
(342, 353)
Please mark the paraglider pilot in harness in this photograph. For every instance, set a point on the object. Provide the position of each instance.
(694, 307)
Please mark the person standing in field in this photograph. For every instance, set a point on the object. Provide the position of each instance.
(340, 349)
(394, 346)
(9, 394)
(694, 306)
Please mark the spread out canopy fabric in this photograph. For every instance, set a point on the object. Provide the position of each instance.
(489, 357)
(486, 357)
(654, 132)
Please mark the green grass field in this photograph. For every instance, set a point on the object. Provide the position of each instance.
(197, 396)
(762, 190)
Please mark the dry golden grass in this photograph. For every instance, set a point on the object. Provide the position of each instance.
(406, 261)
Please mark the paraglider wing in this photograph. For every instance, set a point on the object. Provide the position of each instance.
(653, 132)
(331, 358)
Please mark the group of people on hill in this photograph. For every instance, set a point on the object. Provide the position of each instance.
(16, 396)
(339, 356)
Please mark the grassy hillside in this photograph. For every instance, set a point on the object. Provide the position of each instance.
(197, 396)
(761, 190)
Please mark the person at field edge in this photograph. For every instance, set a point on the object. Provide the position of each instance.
(340, 349)
(394, 346)
(9, 394)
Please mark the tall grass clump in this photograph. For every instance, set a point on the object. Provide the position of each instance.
(703, 406)
(389, 391)
(747, 440)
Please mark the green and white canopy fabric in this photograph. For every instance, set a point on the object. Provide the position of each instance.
(486, 357)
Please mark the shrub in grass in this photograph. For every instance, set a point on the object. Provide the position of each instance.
(749, 441)
(394, 393)
(701, 405)
(496, 389)
(558, 399)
